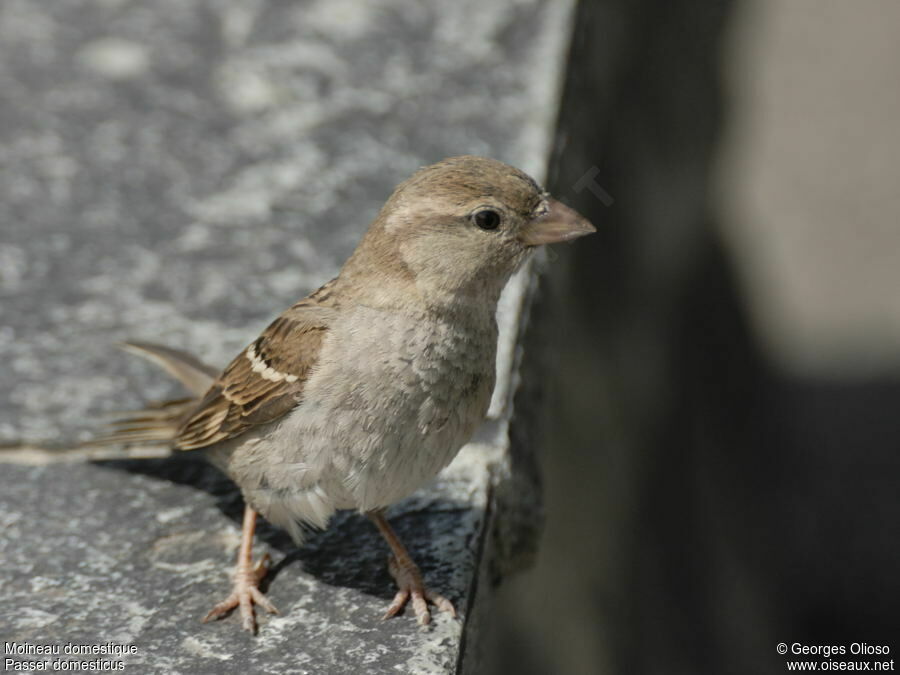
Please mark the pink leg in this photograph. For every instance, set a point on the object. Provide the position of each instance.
(245, 590)
(408, 577)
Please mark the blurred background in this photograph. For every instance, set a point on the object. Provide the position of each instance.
(722, 450)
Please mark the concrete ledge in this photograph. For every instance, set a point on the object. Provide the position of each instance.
(134, 553)
(179, 173)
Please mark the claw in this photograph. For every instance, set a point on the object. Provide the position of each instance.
(245, 593)
(261, 569)
(411, 587)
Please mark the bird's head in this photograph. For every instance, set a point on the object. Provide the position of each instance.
(458, 229)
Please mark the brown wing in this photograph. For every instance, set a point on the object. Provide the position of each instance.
(264, 382)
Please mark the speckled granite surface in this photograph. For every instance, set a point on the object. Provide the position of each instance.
(179, 173)
(144, 550)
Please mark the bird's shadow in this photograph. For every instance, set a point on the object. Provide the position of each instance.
(348, 553)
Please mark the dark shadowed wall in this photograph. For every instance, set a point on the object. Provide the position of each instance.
(721, 452)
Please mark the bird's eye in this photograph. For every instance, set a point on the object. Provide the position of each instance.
(486, 219)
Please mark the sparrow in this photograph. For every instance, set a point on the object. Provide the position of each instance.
(364, 390)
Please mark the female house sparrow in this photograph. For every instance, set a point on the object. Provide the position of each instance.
(364, 390)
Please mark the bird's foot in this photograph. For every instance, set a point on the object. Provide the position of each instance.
(244, 594)
(411, 587)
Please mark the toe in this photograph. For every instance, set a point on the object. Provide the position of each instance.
(442, 603)
(248, 617)
(245, 593)
(262, 568)
(263, 601)
(397, 604)
(222, 608)
(420, 607)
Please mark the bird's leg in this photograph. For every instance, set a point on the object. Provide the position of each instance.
(245, 590)
(408, 577)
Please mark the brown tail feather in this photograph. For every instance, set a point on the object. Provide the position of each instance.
(155, 410)
(156, 425)
(195, 375)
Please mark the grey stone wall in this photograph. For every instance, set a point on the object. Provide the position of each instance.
(720, 464)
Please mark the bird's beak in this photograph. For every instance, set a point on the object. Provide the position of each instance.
(559, 223)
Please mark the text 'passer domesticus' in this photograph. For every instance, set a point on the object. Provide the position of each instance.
(367, 388)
